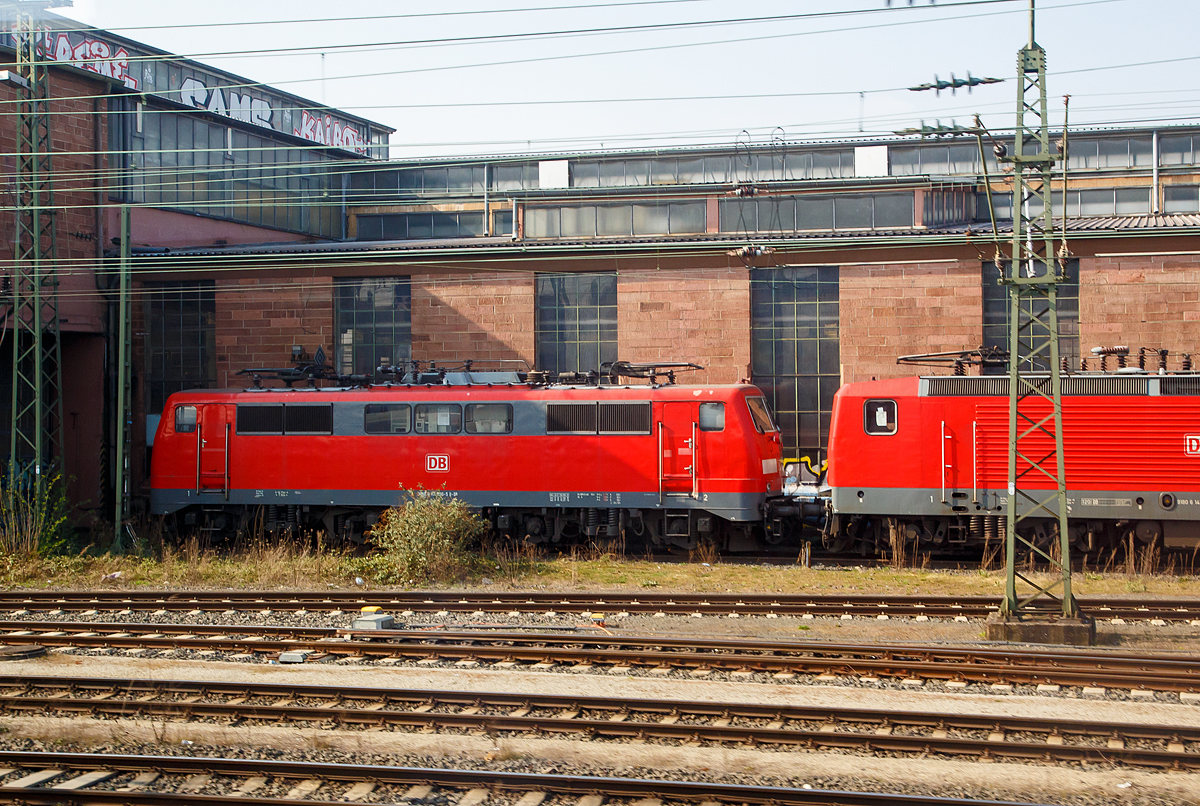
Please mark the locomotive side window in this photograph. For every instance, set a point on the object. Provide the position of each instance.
(571, 418)
(624, 418)
(712, 416)
(308, 419)
(387, 418)
(437, 418)
(761, 414)
(489, 418)
(185, 420)
(879, 417)
(260, 419)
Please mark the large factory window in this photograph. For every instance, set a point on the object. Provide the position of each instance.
(372, 323)
(182, 161)
(181, 340)
(996, 309)
(576, 321)
(794, 352)
(808, 212)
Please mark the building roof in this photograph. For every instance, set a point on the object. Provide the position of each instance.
(949, 235)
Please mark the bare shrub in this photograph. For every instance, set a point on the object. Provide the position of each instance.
(705, 552)
(426, 538)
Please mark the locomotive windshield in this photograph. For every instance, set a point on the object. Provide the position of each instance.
(761, 414)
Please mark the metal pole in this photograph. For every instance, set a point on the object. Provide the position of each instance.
(123, 429)
(1032, 275)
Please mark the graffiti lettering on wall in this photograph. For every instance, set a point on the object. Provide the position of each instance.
(327, 131)
(221, 101)
(93, 55)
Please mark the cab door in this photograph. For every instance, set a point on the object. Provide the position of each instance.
(213, 431)
(677, 449)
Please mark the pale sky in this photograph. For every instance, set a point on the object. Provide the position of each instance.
(490, 97)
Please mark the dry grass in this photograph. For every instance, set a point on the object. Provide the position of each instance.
(258, 565)
(301, 565)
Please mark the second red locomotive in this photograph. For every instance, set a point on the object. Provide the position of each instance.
(926, 459)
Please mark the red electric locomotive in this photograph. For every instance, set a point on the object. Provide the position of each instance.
(545, 462)
(929, 457)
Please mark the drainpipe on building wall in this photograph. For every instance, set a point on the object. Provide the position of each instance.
(487, 210)
(1154, 192)
(345, 186)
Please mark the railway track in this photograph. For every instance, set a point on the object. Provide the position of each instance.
(607, 718)
(656, 654)
(81, 778)
(714, 604)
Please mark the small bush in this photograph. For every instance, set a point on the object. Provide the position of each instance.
(426, 538)
(34, 514)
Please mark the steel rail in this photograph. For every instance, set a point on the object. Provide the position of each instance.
(610, 718)
(635, 788)
(1071, 668)
(1174, 609)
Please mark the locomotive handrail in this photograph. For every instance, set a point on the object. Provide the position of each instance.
(199, 449)
(943, 462)
(695, 453)
(225, 479)
(974, 462)
(660, 463)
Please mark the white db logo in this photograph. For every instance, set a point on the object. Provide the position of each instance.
(437, 463)
(1193, 444)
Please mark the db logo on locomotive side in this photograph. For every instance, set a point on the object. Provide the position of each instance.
(1193, 444)
(440, 462)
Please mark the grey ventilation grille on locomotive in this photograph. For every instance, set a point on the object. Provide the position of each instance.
(997, 386)
(308, 419)
(260, 419)
(571, 418)
(603, 418)
(1179, 385)
(624, 418)
(278, 419)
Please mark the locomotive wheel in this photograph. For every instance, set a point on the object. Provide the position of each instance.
(1148, 532)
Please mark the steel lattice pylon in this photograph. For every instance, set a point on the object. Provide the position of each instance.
(1032, 272)
(37, 366)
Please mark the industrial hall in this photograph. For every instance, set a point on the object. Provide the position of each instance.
(264, 228)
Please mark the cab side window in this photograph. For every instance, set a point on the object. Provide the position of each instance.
(185, 419)
(387, 418)
(437, 418)
(879, 417)
(712, 416)
(489, 418)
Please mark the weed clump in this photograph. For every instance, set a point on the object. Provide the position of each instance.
(427, 538)
(34, 514)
